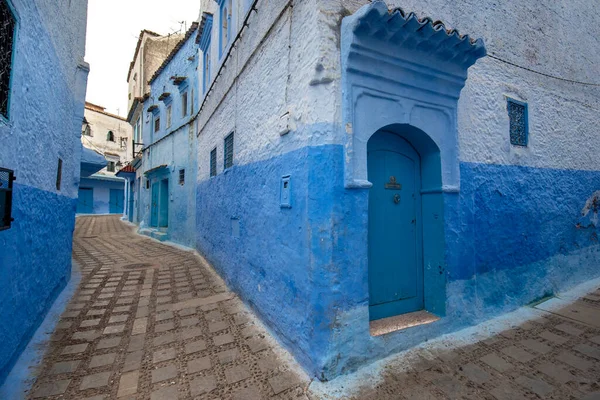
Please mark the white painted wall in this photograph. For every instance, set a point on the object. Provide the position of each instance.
(550, 37)
(100, 124)
(276, 68)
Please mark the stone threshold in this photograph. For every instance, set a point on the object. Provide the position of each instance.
(400, 322)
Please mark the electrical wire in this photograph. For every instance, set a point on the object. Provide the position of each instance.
(542, 73)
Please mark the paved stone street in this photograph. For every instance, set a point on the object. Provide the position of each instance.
(150, 321)
(554, 356)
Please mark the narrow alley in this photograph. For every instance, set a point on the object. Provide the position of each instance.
(152, 321)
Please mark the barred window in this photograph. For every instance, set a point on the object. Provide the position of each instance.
(7, 32)
(228, 151)
(110, 167)
(181, 176)
(519, 129)
(213, 162)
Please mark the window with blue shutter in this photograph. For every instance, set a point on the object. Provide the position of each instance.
(228, 151)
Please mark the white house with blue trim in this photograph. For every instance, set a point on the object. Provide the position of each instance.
(43, 80)
(167, 170)
(358, 162)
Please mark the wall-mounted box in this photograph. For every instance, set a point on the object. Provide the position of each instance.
(286, 192)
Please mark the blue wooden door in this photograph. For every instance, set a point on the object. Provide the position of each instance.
(130, 193)
(395, 242)
(85, 201)
(154, 205)
(117, 197)
(163, 209)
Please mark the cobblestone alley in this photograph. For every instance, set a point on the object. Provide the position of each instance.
(150, 321)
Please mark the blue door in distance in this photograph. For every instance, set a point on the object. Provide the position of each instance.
(85, 201)
(130, 201)
(154, 205)
(117, 197)
(395, 241)
(163, 204)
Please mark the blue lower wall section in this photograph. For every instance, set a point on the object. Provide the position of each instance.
(513, 234)
(35, 265)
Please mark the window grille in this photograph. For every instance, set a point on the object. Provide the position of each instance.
(7, 32)
(59, 174)
(228, 151)
(123, 142)
(156, 124)
(213, 162)
(519, 129)
(110, 167)
(184, 104)
(181, 176)
(6, 185)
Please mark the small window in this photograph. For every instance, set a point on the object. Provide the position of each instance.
(110, 136)
(87, 131)
(110, 167)
(123, 143)
(213, 162)
(7, 32)
(6, 194)
(184, 104)
(156, 124)
(192, 101)
(147, 183)
(207, 68)
(228, 151)
(226, 12)
(129, 96)
(181, 176)
(59, 174)
(169, 112)
(519, 129)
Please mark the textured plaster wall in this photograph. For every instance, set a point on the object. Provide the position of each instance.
(280, 260)
(174, 146)
(46, 110)
(513, 231)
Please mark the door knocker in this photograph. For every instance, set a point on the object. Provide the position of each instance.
(396, 198)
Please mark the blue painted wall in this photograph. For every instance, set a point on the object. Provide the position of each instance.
(304, 269)
(46, 110)
(102, 192)
(173, 146)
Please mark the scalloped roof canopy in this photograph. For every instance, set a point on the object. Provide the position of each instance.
(423, 35)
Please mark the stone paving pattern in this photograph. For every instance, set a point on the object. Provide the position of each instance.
(150, 321)
(552, 357)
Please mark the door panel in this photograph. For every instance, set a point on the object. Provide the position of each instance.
(163, 213)
(115, 205)
(85, 201)
(154, 205)
(395, 265)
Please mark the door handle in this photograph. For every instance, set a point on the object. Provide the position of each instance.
(396, 198)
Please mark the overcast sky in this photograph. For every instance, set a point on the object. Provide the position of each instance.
(112, 33)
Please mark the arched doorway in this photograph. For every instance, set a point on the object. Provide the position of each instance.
(405, 200)
(395, 234)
